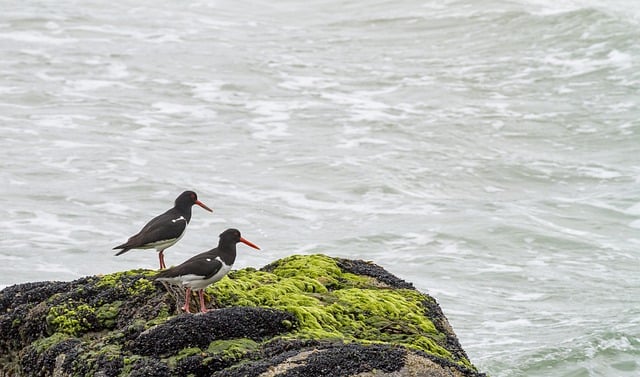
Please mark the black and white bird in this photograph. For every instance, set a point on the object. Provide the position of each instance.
(206, 268)
(164, 230)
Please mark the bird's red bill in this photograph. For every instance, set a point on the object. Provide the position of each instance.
(249, 243)
(203, 206)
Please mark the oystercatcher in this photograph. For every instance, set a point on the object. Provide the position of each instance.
(206, 268)
(164, 230)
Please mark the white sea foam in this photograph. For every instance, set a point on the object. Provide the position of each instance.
(270, 119)
(36, 38)
(90, 85)
(360, 142)
(526, 296)
(197, 111)
(306, 82)
(634, 209)
(209, 91)
(508, 325)
(598, 172)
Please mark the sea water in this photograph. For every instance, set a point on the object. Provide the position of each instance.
(487, 151)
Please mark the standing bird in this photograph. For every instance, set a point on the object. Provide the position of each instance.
(164, 230)
(206, 268)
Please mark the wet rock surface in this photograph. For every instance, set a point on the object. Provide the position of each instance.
(299, 316)
(199, 330)
(360, 267)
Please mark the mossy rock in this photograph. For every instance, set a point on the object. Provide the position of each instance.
(330, 301)
(299, 316)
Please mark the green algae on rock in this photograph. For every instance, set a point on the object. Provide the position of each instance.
(333, 304)
(294, 317)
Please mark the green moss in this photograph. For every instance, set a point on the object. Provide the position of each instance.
(172, 362)
(107, 314)
(71, 318)
(332, 304)
(95, 353)
(162, 316)
(128, 362)
(121, 280)
(232, 349)
(320, 268)
(110, 351)
(44, 344)
(328, 303)
(189, 352)
(74, 318)
(142, 285)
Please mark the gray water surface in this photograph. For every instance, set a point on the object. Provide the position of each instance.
(488, 152)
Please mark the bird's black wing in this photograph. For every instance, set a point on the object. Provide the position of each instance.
(168, 226)
(205, 265)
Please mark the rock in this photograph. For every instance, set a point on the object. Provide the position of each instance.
(299, 316)
(200, 330)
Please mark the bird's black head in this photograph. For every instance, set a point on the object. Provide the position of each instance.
(232, 236)
(189, 198)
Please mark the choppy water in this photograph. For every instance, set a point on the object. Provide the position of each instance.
(486, 151)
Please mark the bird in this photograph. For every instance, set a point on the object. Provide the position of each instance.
(204, 269)
(164, 230)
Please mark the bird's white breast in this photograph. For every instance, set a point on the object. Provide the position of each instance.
(196, 282)
(163, 244)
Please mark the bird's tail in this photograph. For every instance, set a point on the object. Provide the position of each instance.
(163, 275)
(123, 247)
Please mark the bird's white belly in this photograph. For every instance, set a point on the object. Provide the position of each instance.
(163, 244)
(196, 282)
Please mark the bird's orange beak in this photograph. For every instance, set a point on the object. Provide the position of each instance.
(203, 206)
(249, 243)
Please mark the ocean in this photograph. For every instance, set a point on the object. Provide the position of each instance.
(486, 151)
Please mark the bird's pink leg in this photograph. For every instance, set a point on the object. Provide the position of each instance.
(203, 308)
(187, 296)
(161, 256)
